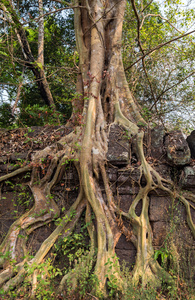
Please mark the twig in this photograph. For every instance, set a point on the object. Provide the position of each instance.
(158, 47)
(171, 88)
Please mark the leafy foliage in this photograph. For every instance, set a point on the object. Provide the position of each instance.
(38, 116)
(163, 81)
(6, 117)
(59, 60)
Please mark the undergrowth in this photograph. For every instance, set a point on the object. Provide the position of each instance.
(49, 276)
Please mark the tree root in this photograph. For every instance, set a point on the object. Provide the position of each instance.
(16, 172)
(123, 121)
(43, 211)
(104, 87)
(64, 228)
(104, 233)
(146, 268)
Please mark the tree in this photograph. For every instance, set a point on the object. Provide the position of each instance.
(18, 81)
(29, 61)
(159, 68)
(103, 98)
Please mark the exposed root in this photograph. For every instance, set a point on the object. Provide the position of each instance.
(122, 120)
(104, 88)
(146, 268)
(64, 228)
(10, 272)
(43, 211)
(189, 196)
(103, 236)
(16, 172)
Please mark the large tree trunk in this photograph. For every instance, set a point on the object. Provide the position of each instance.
(98, 34)
(104, 98)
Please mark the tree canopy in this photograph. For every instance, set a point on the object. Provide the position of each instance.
(160, 72)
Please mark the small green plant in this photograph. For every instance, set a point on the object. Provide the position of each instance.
(134, 292)
(86, 280)
(24, 197)
(72, 247)
(146, 114)
(163, 254)
(35, 115)
(44, 289)
(6, 117)
(112, 282)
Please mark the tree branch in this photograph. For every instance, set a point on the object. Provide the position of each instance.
(158, 47)
(139, 25)
(158, 98)
(158, 16)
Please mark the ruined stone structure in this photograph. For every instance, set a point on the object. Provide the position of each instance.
(168, 153)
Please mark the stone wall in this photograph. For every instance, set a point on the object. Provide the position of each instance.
(169, 154)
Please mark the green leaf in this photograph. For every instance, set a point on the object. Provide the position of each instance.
(39, 65)
(3, 53)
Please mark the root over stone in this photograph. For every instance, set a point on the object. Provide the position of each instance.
(106, 99)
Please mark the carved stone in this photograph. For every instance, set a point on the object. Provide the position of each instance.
(187, 178)
(178, 152)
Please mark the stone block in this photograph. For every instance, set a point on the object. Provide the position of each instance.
(157, 142)
(159, 208)
(127, 190)
(184, 237)
(126, 251)
(165, 208)
(191, 143)
(164, 170)
(159, 232)
(124, 244)
(124, 202)
(128, 176)
(118, 146)
(178, 151)
(112, 174)
(127, 256)
(187, 178)
(159, 193)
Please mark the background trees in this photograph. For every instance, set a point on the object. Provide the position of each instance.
(19, 70)
(163, 82)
